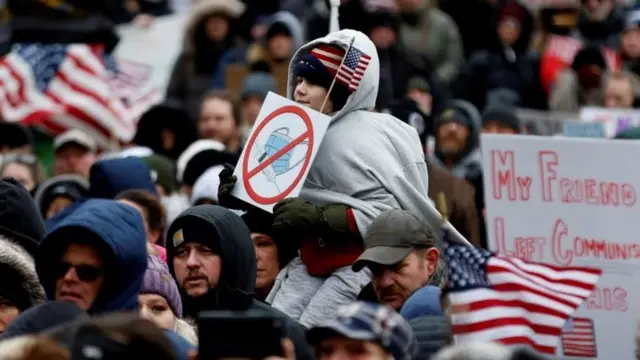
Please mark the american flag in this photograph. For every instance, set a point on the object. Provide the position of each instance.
(58, 87)
(507, 300)
(579, 339)
(353, 68)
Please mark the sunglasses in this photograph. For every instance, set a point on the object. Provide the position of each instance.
(87, 273)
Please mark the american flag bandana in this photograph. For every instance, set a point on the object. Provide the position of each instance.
(510, 301)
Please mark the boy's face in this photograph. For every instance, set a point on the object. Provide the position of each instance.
(311, 95)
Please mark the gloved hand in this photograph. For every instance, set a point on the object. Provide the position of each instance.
(227, 182)
(299, 217)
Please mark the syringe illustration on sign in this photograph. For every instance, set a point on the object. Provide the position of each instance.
(278, 139)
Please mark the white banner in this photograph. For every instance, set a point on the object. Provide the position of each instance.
(155, 48)
(572, 202)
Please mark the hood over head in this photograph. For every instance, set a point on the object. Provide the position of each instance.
(228, 236)
(119, 230)
(473, 122)
(106, 177)
(73, 187)
(518, 11)
(20, 219)
(201, 9)
(364, 98)
(20, 285)
(293, 25)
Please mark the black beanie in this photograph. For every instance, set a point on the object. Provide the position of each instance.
(259, 221)
(19, 217)
(503, 116)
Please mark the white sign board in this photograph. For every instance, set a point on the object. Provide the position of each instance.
(614, 120)
(572, 202)
(155, 49)
(279, 152)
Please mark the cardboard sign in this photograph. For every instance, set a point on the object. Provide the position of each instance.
(613, 120)
(154, 49)
(574, 128)
(279, 152)
(572, 202)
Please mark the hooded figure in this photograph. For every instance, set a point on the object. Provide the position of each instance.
(281, 28)
(467, 161)
(202, 50)
(226, 235)
(116, 231)
(367, 163)
(20, 220)
(59, 192)
(507, 63)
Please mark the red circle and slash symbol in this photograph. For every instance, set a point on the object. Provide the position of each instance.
(248, 174)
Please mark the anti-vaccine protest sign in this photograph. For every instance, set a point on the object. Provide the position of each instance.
(279, 152)
(572, 202)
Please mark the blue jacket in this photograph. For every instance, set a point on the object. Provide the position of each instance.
(120, 229)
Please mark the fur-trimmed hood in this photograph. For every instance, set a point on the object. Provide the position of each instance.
(19, 276)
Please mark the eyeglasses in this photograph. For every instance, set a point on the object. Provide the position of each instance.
(87, 273)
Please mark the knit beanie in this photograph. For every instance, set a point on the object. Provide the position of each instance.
(504, 116)
(320, 67)
(158, 280)
(259, 221)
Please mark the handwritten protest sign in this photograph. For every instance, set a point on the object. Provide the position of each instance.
(279, 152)
(572, 202)
(614, 120)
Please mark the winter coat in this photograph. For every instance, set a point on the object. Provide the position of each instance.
(238, 270)
(118, 228)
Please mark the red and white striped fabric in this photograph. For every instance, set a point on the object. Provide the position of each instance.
(579, 339)
(507, 300)
(59, 87)
(329, 56)
(349, 72)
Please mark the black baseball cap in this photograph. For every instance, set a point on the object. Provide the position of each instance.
(393, 236)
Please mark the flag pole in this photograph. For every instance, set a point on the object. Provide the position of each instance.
(336, 75)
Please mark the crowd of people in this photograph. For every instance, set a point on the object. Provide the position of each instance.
(118, 252)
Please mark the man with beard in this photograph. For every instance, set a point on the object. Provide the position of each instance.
(401, 252)
(212, 258)
(457, 148)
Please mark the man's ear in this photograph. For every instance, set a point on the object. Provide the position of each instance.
(431, 256)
